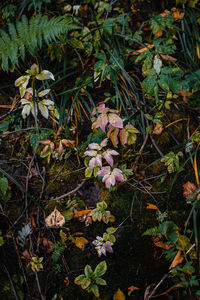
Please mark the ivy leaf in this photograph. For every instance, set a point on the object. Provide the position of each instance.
(100, 269)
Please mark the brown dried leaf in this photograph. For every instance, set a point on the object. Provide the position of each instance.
(45, 142)
(55, 219)
(46, 243)
(158, 129)
(177, 260)
(45, 149)
(67, 143)
(60, 149)
(189, 189)
(131, 289)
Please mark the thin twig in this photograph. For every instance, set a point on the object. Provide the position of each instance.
(69, 193)
(11, 283)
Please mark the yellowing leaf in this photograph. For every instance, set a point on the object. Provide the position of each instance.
(55, 219)
(158, 129)
(177, 260)
(81, 213)
(119, 295)
(80, 242)
(151, 206)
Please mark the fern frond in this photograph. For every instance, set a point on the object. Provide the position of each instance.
(30, 35)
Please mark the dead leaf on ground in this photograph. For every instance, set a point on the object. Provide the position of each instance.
(158, 129)
(119, 295)
(46, 243)
(185, 95)
(168, 57)
(143, 49)
(189, 189)
(176, 14)
(55, 219)
(131, 289)
(151, 206)
(26, 255)
(177, 260)
(80, 242)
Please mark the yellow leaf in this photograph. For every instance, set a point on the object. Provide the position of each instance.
(119, 295)
(151, 206)
(143, 49)
(80, 242)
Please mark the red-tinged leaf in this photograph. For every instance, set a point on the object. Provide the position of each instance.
(26, 255)
(103, 121)
(177, 260)
(115, 120)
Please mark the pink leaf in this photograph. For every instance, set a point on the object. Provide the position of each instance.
(94, 146)
(90, 153)
(115, 120)
(99, 160)
(103, 121)
(92, 163)
(118, 174)
(108, 158)
(112, 152)
(104, 143)
(104, 171)
(113, 136)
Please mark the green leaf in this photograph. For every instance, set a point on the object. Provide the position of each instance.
(149, 83)
(100, 269)
(163, 82)
(78, 280)
(3, 185)
(95, 290)
(68, 214)
(76, 44)
(111, 230)
(88, 172)
(88, 271)
(96, 170)
(100, 281)
(35, 139)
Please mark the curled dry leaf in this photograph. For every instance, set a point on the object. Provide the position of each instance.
(177, 260)
(67, 143)
(45, 149)
(131, 289)
(60, 149)
(55, 219)
(159, 243)
(189, 189)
